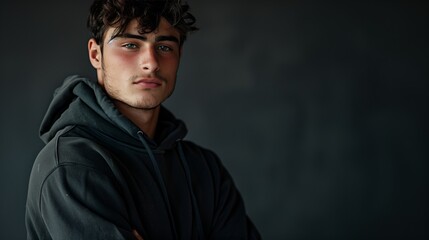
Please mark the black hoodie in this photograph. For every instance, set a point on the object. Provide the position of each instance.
(100, 177)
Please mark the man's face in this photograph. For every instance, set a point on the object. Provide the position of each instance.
(138, 70)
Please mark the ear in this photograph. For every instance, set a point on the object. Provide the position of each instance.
(94, 53)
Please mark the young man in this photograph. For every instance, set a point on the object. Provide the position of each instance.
(115, 165)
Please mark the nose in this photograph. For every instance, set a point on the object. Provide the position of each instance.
(150, 60)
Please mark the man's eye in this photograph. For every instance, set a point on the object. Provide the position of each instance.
(164, 48)
(130, 46)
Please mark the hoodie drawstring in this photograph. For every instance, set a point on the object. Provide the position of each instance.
(196, 212)
(160, 181)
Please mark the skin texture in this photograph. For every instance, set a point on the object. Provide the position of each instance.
(137, 235)
(138, 71)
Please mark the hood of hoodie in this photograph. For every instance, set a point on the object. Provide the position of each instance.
(83, 102)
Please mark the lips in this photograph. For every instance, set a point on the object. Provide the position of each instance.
(148, 82)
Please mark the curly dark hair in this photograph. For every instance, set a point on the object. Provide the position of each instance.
(119, 13)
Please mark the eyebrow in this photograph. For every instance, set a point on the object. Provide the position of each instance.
(144, 38)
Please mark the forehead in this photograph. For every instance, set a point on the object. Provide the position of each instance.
(164, 28)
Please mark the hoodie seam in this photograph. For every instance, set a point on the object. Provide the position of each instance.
(66, 130)
(64, 164)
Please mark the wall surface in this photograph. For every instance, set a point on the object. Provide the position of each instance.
(320, 111)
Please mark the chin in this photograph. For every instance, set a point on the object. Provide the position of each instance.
(146, 105)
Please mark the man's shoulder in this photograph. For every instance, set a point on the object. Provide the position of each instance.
(65, 155)
(71, 147)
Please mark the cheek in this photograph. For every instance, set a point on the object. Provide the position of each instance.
(124, 60)
(172, 64)
(120, 59)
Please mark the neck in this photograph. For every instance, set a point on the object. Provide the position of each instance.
(145, 119)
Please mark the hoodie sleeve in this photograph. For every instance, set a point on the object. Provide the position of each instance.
(230, 219)
(226, 211)
(77, 202)
(74, 193)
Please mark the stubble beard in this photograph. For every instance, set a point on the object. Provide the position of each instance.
(142, 104)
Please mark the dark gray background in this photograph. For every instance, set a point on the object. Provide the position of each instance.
(319, 110)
